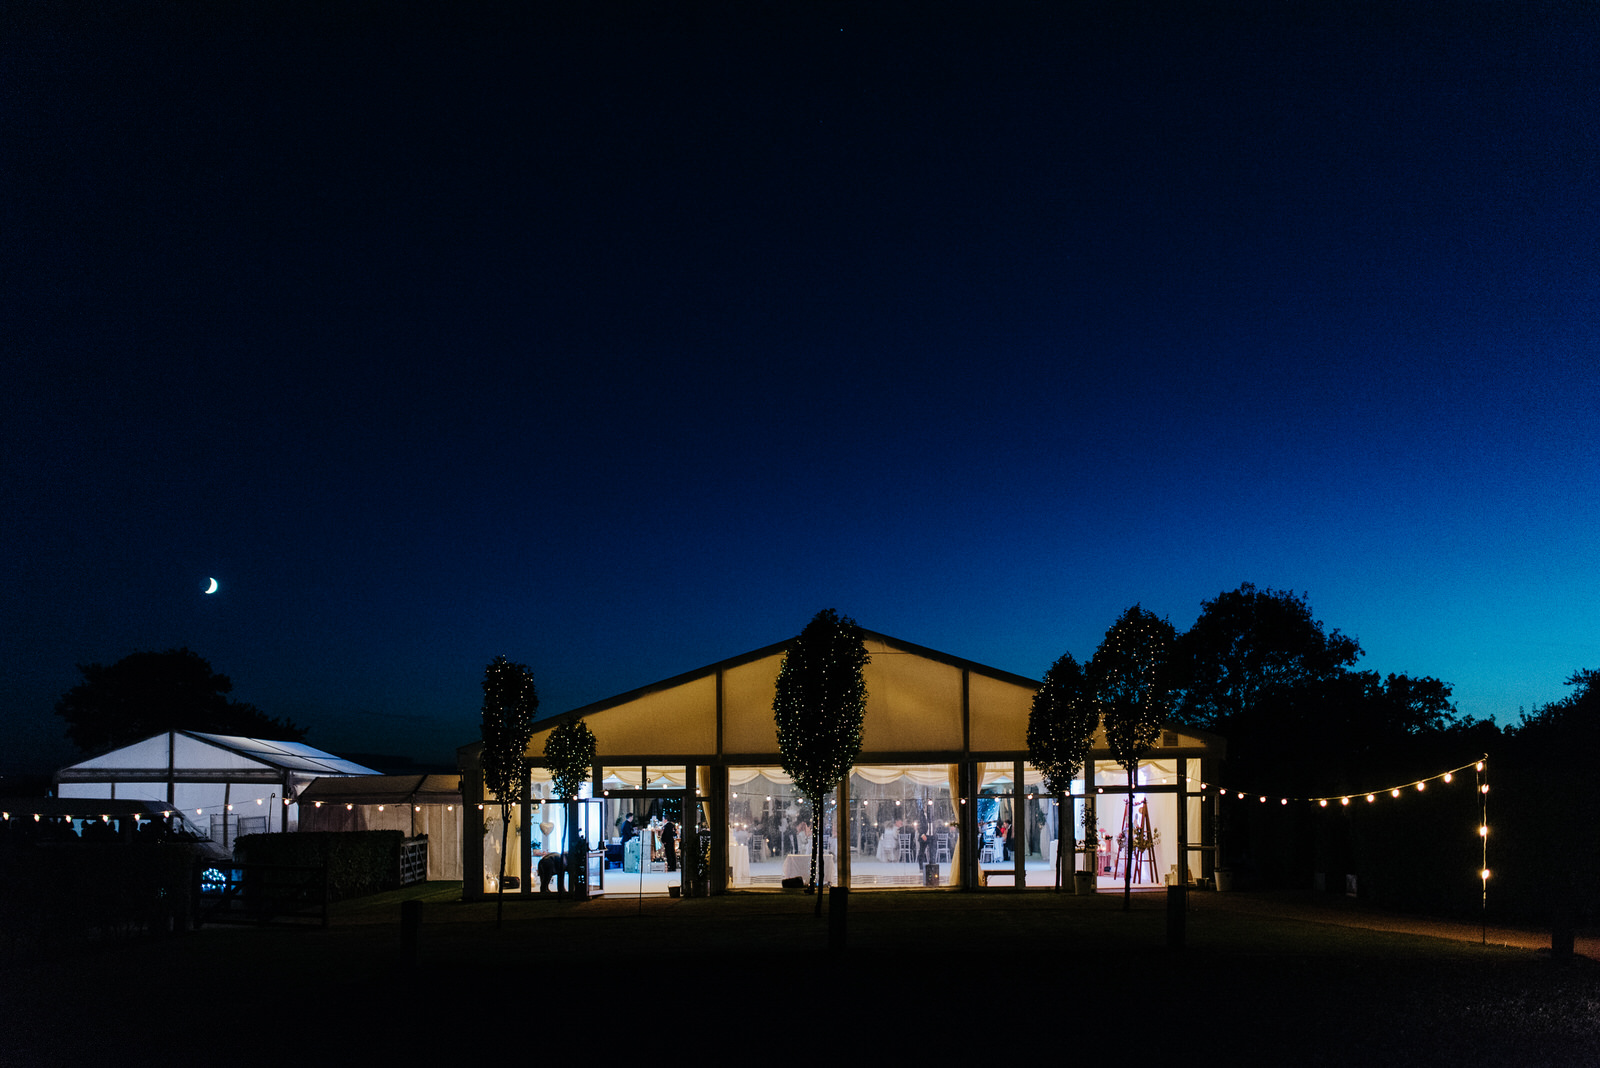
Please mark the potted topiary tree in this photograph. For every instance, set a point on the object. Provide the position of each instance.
(1084, 879)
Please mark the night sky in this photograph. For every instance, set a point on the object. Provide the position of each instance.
(621, 338)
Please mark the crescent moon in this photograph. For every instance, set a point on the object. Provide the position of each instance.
(213, 587)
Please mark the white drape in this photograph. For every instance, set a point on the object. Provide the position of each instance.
(921, 774)
(776, 776)
(633, 777)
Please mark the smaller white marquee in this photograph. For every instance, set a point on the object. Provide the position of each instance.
(224, 785)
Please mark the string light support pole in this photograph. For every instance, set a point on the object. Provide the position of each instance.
(1483, 837)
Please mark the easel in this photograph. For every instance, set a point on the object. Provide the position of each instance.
(1136, 827)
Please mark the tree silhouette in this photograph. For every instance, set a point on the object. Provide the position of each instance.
(1249, 646)
(1061, 726)
(819, 707)
(509, 702)
(1130, 679)
(569, 753)
(149, 693)
(1570, 725)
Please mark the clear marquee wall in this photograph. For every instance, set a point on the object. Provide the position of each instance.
(903, 829)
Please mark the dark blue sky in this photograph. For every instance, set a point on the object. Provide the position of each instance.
(621, 340)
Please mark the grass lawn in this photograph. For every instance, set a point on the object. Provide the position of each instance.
(963, 976)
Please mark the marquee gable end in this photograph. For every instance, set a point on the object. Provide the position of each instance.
(913, 702)
(999, 712)
(748, 691)
(673, 719)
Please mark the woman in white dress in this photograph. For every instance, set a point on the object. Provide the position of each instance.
(889, 842)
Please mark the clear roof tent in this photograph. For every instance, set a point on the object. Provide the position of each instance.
(293, 755)
(227, 785)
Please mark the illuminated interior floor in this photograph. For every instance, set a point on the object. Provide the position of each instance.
(617, 881)
(870, 873)
(865, 874)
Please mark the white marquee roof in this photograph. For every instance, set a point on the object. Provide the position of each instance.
(920, 702)
(184, 754)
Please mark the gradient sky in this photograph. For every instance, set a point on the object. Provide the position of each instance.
(622, 340)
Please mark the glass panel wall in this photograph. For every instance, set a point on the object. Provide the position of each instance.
(643, 831)
(541, 789)
(995, 822)
(1138, 827)
(546, 833)
(1044, 826)
(1039, 824)
(497, 833)
(770, 830)
(666, 778)
(904, 827)
(549, 831)
(643, 821)
(548, 840)
(1151, 773)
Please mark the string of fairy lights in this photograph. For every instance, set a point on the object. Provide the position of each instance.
(91, 815)
(1480, 767)
(1391, 792)
(1394, 792)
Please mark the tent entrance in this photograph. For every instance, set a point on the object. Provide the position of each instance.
(644, 839)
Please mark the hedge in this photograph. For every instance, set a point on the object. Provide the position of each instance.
(359, 862)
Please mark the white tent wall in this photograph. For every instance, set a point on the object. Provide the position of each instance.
(441, 823)
(250, 808)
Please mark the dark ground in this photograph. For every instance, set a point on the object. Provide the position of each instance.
(1263, 979)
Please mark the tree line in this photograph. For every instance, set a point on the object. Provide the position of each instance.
(1256, 668)
(1301, 722)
